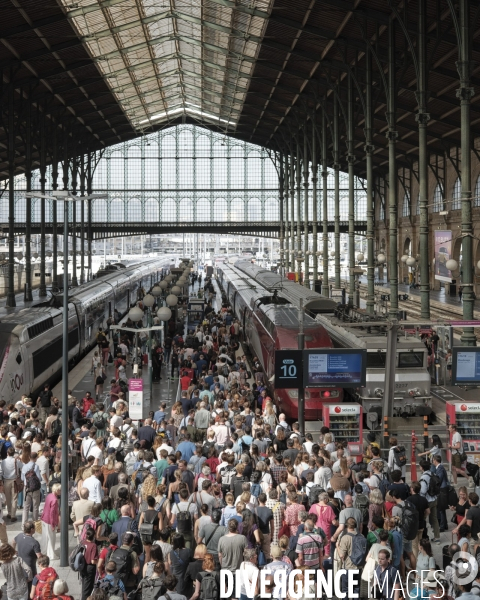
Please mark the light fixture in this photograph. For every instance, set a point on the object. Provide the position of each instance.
(157, 290)
(135, 314)
(164, 313)
(360, 257)
(451, 264)
(163, 285)
(381, 258)
(171, 300)
(148, 300)
(176, 290)
(404, 258)
(410, 262)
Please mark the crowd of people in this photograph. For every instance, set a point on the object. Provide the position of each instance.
(216, 480)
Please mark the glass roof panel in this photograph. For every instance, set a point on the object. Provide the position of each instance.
(188, 56)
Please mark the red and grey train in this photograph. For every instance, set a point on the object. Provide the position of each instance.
(270, 322)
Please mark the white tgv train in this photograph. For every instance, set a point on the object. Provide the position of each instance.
(31, 338)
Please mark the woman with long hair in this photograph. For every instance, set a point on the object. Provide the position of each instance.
(196, 566)
(162, 505)
(107, 469)
(461, 507)
(249, 528)
(292, 516)
(208, 567)
(156, 555)
(280, 442)
(376, 507)
(148, 488)
(16, 572)
(425, 559)
(109, 515)
(178, 560)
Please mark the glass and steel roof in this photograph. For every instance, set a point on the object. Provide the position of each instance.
(166, 58)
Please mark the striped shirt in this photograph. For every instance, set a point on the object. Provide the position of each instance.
(278, 510)
(310, 545)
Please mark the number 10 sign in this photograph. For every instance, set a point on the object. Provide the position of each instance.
(288, 369)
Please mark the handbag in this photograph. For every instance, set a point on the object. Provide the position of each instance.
(261, 560)
(369, 569)
(284, 530)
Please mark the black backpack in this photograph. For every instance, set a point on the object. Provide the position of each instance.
(315, 492)
(184, 519)
(409, 524)
(382, 484)
(55, 427)
(123, 561)
(209, 586)
(399, 456)
(110, 588)
(434, 483)
(100, 420)
(152, 589)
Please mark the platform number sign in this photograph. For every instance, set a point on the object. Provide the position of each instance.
(288, 369)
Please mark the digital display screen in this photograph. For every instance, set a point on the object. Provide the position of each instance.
(335, 366)
(465, 365)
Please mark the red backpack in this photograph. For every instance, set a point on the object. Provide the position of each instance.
(90, 523)
(44, 587)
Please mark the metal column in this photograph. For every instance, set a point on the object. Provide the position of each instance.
(298, 174)
(325, 284)
(422, 118)
(55, 209)
(64, 516)
(465, 93)
(28, 225)
(369, 148)
(314, 203)
(42, 290)
(281, 198)
(336, 167)
(74, 219)
(82, 217)
(11, 196)
(292, 211)
(392, 176)
(305, 210)
(89, 214)
(351, 196)
(286, 173)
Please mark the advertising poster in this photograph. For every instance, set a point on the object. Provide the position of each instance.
(443, 252)
(135, 399)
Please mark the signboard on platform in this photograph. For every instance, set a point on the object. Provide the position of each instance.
(334, 366)
(443, 253)
(135, 399)
(465, 365)
(288, 369)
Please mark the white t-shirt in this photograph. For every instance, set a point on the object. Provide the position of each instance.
(88, 444)
(372, 482)
(248, 570)
(97, 453)
(455, 439)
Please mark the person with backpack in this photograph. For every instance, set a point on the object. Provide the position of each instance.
(100, 420)
(126, 562)
(352, 552)
(171, 583)
(178, 560)
(397, 457)
(430, 489)
(211, 533)
(44, 580)
(31, 478)
(184, 514)
(207, 582)
(408, 517)
(90, 554)
(110, 583)
(348, 512)
(398, 484)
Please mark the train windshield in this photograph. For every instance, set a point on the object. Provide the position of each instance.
(376, 360)
(410, 359)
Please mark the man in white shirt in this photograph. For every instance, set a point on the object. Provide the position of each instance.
(323, 474)
(115, 420)
(89, 443)
(221, 434)
(97, 452)
(43, 465)
(282, 422)
(93, 485)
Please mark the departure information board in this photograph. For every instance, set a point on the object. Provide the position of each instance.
(335, 366)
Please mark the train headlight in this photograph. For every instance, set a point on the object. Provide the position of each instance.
(415, 392)
(327, 394)
(378, 392)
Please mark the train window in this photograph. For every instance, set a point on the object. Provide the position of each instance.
(376, 360)
(410, 359)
